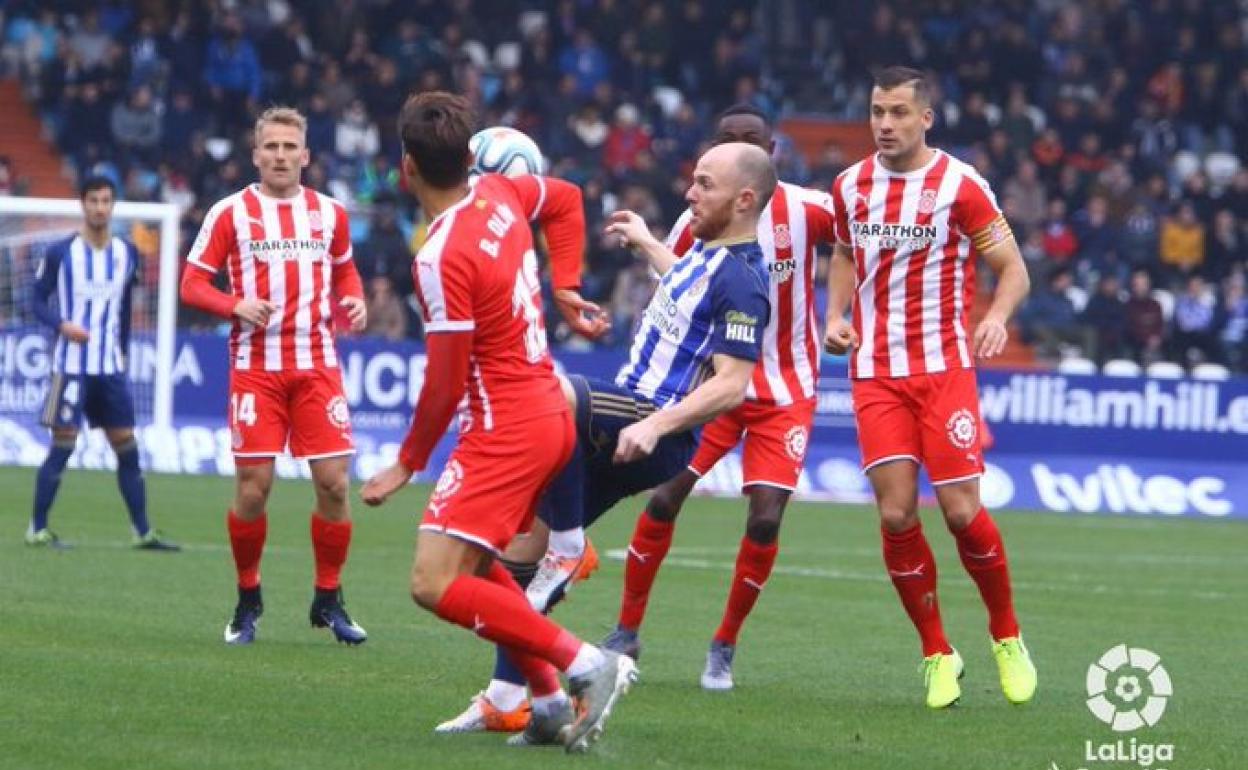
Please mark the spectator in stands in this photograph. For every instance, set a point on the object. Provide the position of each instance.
(1093, 231)
(1183, 241)
(1227, 246)
(1060, 243)
(1105, 321)
(1195, 331)
(625, 141)
(356, 136)
(387, 317)
(1029, 196)
(180, 121)
(1049, 320)
(586, 62)
(1140, 236)
(233, 74)
(136, 126)
(1234, 315)
(1145, 320)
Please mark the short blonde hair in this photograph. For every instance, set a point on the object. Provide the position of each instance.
(284, 116)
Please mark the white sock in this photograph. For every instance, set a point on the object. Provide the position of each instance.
(570, 543)
(505, 696)
(587, 659)
(548, 705)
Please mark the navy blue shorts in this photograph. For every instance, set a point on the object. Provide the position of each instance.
(591, 481)
(104, 399)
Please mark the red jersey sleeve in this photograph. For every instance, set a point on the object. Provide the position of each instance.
(680, 238)
(216, 237)
(977, 214)
(840, 213)
(340, 250)
(820, 216)
(444, 277)
(975, 206)
(559, 210)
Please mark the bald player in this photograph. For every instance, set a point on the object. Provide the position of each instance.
(691, 360)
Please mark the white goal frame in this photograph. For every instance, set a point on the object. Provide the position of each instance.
(167, 287)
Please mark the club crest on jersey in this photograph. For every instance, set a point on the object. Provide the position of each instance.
(338, 412)
(699, 287)
(795, 442)
(961, 428)
(314, 220)
(927, 201)
(782, 236)
(449, 482)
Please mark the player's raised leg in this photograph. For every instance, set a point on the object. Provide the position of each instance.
(247, 524)
(331, 540)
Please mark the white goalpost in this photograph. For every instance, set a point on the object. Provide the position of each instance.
(29, 225)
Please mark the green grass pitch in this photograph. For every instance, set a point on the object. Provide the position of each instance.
(111, 658)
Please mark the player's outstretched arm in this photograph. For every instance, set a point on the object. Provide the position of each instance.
(558, 207)
(838, 335)
(1013, 283)
(636, 235)
(448, 356)
(723, 391)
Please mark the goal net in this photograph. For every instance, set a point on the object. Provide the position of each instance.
(28, 226)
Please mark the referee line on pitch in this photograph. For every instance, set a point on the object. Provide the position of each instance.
(821, 573)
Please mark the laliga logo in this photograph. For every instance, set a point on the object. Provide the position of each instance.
(795, 441)
(961, 428)
(1119, 671)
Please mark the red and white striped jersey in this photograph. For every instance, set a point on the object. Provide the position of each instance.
(282, 250)
(914, 240)
(477, 272)
(794, 223)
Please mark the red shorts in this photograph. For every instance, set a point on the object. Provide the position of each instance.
(931, 419)
(306, 406)
(488, 491)
(775, 442)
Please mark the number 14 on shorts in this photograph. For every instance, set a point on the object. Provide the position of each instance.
(243, 408)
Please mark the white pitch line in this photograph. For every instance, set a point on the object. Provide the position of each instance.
(1075, 585)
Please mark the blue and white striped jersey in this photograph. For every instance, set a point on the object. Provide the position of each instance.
(713, 300)
(93, 288)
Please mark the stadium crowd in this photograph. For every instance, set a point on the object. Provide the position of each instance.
(1112, 130)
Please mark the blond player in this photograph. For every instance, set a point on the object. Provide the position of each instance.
(286, 250)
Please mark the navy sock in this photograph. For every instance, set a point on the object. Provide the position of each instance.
(47, 481)
(504, 669)
(130, 482)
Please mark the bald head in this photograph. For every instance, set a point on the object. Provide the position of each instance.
(731, 186)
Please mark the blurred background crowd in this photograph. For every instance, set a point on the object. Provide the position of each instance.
(1113, 131)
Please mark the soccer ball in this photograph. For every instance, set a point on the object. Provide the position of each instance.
(506, 151)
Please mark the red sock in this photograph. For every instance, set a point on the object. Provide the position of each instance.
(651, 539)
(497, 610)
(754, 562)
(542, 677)
(247, 543)
(912, 568)
(330, 542)
(983, 555)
